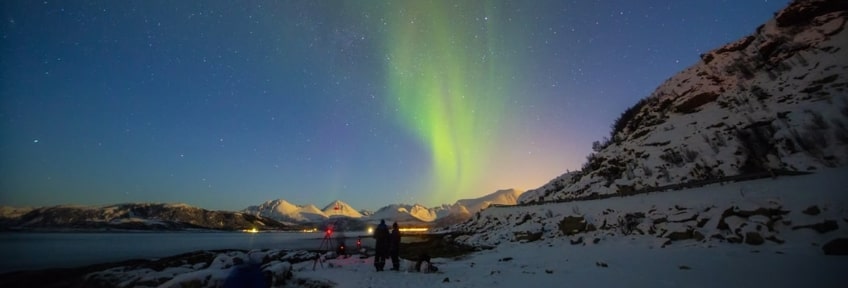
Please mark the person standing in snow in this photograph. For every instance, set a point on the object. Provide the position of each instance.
(381, 234)
(394, 247)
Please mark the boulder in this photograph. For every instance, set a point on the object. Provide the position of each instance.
(571, 225)
(823, 227)
(838, 246)
(754, 238)
(812, 210)
(685, 235)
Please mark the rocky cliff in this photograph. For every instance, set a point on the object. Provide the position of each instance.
(772, 101)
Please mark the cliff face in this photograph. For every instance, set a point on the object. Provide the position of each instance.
(774, 100)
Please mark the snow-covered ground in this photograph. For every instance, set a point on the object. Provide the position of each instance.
(631, 262)
(641, 260)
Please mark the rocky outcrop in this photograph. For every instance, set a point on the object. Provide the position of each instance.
(711, 223)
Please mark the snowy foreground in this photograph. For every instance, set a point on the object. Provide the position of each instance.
(645, 260)
(791, 255)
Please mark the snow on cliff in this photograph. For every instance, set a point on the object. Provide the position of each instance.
(774, 100)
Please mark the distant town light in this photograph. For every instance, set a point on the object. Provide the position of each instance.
(414, 229)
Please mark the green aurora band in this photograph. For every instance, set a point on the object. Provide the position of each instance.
(447, 85)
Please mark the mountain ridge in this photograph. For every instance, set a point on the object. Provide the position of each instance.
(415, 213)
(134, 216)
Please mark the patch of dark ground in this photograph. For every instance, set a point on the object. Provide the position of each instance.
(436, 246)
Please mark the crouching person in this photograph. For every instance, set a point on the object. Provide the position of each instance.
(424, 265)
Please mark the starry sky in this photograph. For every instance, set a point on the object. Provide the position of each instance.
(225, 104)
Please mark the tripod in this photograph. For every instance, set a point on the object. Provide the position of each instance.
(328, 243)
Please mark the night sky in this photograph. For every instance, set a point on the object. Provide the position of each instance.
(225, 104)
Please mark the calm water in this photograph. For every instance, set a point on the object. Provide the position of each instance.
(28, 251)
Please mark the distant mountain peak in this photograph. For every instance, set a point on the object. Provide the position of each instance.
(339, 208)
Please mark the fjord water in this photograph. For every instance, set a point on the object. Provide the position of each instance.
(30, 251)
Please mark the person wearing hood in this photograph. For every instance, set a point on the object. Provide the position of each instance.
(381, 235)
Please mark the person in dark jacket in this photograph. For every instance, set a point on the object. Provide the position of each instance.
(394, 247)
(381, 234)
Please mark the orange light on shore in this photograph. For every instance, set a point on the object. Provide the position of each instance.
(414, 229)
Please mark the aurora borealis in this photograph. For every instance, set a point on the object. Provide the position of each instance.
(447, 83)
(222, 104)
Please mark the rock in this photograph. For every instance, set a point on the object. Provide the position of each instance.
(446, 280)
(753, 238)
(571, 225)
(812, 210)
(549, 271)
(775, 239)
(527, 236)
(838, 246)
(802, 12)
(238, 261)
(823, 227)
(579, 240)
(677, 235)
(601, 264)
(505, 259)
(684, 267)
(664, 242)
(685, 235)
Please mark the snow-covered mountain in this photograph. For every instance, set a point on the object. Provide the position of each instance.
(282, 210)
(774, 100)
(405, 213)
(500, 197)
(457, 212)
(7, 212)
(340, 209)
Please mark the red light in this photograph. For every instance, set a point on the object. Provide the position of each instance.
(329, 231)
